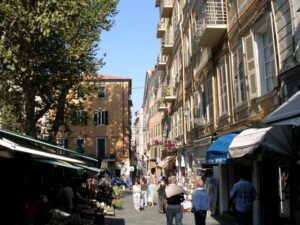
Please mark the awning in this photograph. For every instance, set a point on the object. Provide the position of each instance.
(287, 113)
(18, 147)
(27, 144)
(275, 139)
(218, 150)
(165, 161)
(58, 163)
(90, 168)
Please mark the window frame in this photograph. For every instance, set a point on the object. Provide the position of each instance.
(101, 117)
(240, 88)
(264, 26)
(222, 87)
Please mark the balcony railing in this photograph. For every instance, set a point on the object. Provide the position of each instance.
(212, 23)
(168, 93)
(166, 8)
(161, 28)
(167, 43)
(161, 62)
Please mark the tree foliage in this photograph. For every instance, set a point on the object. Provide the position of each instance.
(46, 47)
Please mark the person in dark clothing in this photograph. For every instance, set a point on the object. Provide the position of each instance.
(161, 190)
(173, 197)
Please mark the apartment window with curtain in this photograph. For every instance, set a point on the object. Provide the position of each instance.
(239, 80)
(222, 88)
(101, 117)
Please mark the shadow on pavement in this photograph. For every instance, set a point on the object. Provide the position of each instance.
(227, 219)
(114, 221)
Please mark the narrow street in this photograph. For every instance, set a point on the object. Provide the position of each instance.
(149, 216)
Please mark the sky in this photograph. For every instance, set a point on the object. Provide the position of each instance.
(131, 45)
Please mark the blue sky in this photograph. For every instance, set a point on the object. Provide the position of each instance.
(131, 45)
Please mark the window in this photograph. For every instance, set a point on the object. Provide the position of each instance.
(101, 117)
(80, 145)
(101, 148)
(80, 117)
(263, 37)
(101, 90)
(239, 81)
(222, 88)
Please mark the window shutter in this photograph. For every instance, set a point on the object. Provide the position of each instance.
(251, 69)
(95, 118)
(196, 104)
(85, 117)
(106, 117)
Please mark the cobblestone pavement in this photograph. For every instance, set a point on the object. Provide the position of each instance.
(149, 216)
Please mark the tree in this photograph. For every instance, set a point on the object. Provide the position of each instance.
(46, 48)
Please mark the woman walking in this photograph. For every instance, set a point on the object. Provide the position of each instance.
(151, 191)
(136, 189)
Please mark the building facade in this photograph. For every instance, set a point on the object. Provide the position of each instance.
(225, 66)
(101, 125)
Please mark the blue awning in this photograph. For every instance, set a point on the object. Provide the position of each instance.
(218, 150)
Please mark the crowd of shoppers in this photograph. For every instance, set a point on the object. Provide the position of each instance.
(170, 195)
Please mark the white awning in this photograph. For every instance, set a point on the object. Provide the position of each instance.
(277, 139)
(165, 161)
(287, 113)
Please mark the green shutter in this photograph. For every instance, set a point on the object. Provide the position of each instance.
(106, 117)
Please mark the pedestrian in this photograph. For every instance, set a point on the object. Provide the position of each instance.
(200, 200)
(151, 191)
(242, 197)
(160, 191)
(173, 197)
(136, 189)
(144, 187)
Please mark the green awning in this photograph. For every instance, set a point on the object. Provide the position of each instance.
(90, 168)
(58, 163)
(40, 145)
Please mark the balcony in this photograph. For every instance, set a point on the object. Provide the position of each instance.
(162, 106)
(212, 23)
(161, 62)
(168, 93)
(166, 8)
(161, 28)
(167, 43)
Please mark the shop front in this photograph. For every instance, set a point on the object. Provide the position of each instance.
(223, 172)
(289, 114)
(269, 155)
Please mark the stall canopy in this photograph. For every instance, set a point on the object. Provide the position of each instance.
(274, 139)
(58, 163)
(287, 113)
(16, 142)
(218, 150)
(165, 161)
